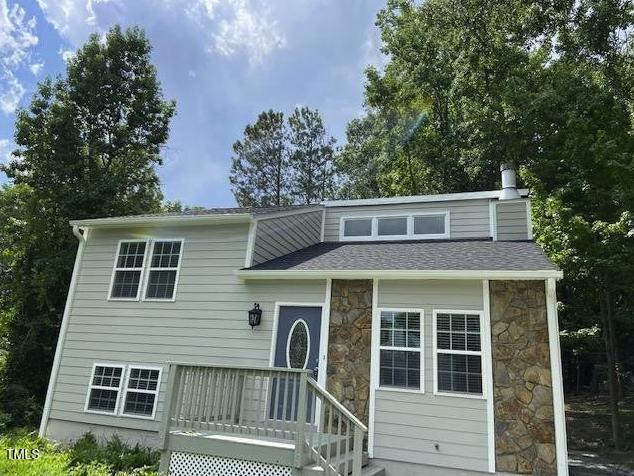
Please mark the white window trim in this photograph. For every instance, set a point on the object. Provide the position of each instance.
(410, 235)
(151, 268)
(91, 387)
(421, 350)
(483, 353)
(153, 392)
(115, 268)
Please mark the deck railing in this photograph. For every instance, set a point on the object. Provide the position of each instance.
(267, 403)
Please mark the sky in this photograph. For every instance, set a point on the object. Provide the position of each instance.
(222, 61)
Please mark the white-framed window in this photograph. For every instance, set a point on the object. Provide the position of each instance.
(164, 269)
(104, 389)
(401, 360)
(127, 274)
(122, 389)
(424, 225)
(458, 368)
(357, 227)
(141, 391)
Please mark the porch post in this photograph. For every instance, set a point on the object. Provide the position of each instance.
(301, 421)
(167, 405)
(557, 379)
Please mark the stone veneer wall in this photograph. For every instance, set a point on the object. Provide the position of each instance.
(524, 424)
(349, 342)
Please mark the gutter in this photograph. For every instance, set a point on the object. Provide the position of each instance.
(119, 222)
(399, 274)
(63, 328)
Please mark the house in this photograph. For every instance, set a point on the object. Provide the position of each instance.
(392, 336)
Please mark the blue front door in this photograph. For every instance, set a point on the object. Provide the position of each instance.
(298, 333)
(296, 346)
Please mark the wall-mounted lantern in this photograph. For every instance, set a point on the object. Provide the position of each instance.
(255, 315)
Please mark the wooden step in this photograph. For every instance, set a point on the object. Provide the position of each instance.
(369, 470)
(373, 470)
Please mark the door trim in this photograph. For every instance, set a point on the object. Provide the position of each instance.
(323, 338)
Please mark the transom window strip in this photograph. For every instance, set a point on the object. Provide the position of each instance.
(426, 225)
(459, 353)
(400, 349)
(163, 273)
(141, 391)
(104, 389)
(128, 270)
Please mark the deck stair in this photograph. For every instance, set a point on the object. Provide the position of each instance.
(264, 415)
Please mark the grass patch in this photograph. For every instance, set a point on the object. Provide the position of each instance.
(86, 457)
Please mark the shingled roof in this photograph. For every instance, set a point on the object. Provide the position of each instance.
(472, 255)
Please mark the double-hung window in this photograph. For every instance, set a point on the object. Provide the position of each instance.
(158, 274)
(400, 349)
(114, 391)
(164, 266)
(141, 391)
(458, 352)
(128, 270)
(104, 388)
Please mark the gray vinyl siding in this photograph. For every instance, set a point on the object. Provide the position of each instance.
(408, 425)
(467, 218)
(207, 323)
(512, 220)
(279, 236)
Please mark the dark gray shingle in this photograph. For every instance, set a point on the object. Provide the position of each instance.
(415, 255)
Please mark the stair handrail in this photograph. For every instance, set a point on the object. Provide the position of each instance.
(326, 394)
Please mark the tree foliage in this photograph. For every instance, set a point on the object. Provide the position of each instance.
(88, 145)
(547, 86)
(282, 162)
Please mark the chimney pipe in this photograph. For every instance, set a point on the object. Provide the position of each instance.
(509, 183)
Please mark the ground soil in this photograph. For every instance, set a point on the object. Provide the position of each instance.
(590, 432)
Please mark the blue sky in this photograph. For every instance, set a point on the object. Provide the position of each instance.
(223, 61)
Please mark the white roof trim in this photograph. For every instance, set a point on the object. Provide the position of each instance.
(420, 198)
(117, 222)
(201, 219)
(398, 274)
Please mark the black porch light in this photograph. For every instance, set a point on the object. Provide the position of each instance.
(255, 315)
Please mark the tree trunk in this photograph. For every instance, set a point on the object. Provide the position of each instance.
(609, 338)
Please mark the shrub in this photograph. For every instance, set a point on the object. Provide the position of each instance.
(115, 454)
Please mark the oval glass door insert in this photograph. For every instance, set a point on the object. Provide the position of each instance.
(298, 345)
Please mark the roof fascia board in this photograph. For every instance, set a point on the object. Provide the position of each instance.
(399, 274)
(267, 216)
(122, 222)
(446, 197)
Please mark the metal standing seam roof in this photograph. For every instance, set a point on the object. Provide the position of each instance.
(472, 255)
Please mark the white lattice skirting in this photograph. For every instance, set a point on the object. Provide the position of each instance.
(190, 464)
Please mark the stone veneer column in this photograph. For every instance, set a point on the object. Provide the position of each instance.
(349, 344)
(524, 422)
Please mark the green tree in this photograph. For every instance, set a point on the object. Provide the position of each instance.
(311, 157)
(88, 145)
(259, 167)
(547, 86)
(280, 162)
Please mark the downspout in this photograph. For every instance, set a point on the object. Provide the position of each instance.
(63, 328)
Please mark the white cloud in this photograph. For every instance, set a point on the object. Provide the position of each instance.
(6, 147)
(248, 28)
(17, 38)
(228, 27)
(66, 54)
(36, 68)
(73, 19)
(11, 91)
